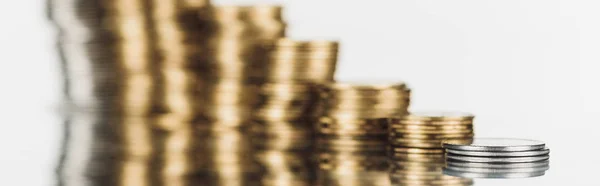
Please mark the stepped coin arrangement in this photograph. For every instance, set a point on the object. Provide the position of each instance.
(496, 158)
(182, 92)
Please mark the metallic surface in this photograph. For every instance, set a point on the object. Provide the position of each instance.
(545, 151)
(497, 165)
(497, 170)
(494, 175)
(497, 144)
(498, 159)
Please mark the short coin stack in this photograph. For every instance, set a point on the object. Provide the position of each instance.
(427, 130)
(286, 98)
(354, 115)
(496, 158)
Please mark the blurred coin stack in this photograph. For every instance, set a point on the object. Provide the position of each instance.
(226, 89)
(124, 56)
(414, 166)
(228, 51)
(282, 130)
(496, 158)
(354, 115)
(286, 98)
(427, 130)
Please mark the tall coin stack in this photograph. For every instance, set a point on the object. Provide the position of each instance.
(283, 118)
(231, 35)
(111, 53)
(228, 52)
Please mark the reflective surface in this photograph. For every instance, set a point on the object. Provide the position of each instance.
(100, 149)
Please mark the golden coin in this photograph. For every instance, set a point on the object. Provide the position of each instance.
(439, 116)
(281, 114)
(432, 136)
(352, 144)
(416, 150)
(362, 113)
(376, 126)
(399, 121)
(431, 132)
(289, 43)
(416, 143)
(365, 86)
(431, 127)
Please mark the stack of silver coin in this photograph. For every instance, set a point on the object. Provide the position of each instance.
(496, 158)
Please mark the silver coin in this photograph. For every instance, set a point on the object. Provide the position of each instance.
(493, 175)
(497, 170)
(497, 159)
(541, 152)
(497, 165)
(496, 145)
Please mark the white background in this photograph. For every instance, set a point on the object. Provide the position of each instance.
(526, 68)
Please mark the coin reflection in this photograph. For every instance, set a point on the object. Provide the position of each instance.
(421, 167)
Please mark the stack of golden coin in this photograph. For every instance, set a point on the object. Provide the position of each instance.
(286, 97)
(354, 115)
(127, 56)
(288, 60)
(421, 167)
(427, 130)
(282, 130)
(228, 48)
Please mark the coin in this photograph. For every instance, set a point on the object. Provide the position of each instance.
(497, 170)
(493, 175)
(439, 115)
(416, 150)
(544, 151)
(497, 165)
(498, 159)
(433, 127)
(431, 136)
(496, 144)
